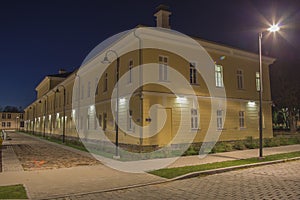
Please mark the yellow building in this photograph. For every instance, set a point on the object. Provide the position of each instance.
(234, 70)
(11, 121)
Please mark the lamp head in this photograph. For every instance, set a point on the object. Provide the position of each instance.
(105, 60)
(274, 28)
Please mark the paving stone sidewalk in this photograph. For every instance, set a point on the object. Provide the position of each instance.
(60, 174)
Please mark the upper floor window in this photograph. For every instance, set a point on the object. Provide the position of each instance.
(163, 68)
(130, 71)
(9, 116)
(193, 73)
(105, 83)
(257, 80)
(8, 124)
(3, 116)
(130, 124)
(219, 75)
(3, 124)
(96, 86)
(240, 79)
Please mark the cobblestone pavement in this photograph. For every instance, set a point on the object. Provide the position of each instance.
(36, 155)
(278, 181)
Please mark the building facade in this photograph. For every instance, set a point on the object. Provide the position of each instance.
(11, 121)
(234, 70)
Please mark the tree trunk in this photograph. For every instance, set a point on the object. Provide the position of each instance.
(292, 121)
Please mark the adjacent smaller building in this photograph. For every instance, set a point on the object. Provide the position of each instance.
(11, 120)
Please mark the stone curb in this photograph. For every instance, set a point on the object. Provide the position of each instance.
(226, 169)
(186, 176)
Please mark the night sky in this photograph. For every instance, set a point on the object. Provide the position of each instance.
(40, 37)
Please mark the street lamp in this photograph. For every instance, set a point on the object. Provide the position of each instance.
(273, 28)
(64, 112)
(106, 61)
(33, 117)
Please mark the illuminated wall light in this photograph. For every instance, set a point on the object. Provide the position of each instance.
(181, 99)
(222, 57)
(122, 100)
(251, 103)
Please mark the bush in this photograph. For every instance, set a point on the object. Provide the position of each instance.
(222, 147)
(239, 145)
(251, 143)
(272, 142)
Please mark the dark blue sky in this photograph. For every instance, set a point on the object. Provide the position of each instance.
(39, 37)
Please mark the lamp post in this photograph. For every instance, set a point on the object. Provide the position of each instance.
(273, 28)
(33, 116)
(64, 112)
(105, 61)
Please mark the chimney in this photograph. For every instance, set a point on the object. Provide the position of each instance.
(162, 16)
(62, 71)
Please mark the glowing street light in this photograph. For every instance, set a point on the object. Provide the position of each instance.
(273, 28)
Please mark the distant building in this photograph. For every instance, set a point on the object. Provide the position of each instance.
(238, 73)
(11, 121)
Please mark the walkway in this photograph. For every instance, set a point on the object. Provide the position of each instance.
(53, 170)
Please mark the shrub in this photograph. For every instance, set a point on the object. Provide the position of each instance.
(251, 143)
(272, 142)
(239, 145)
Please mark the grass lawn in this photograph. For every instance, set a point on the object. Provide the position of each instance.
(178, 171)
(13, 192)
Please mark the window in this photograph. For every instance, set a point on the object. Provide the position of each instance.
(8, 124)
(194, 119)
(3, 116)
(8, 116)
(3, 124)
(219, 119)
(242, 119)
(100, 120)
(105, 83)
(163, 68)
(130, 71)
(130, 120)
(219, 75)
(240, 79)
(193, 73)
(257, 80)
(96, 86)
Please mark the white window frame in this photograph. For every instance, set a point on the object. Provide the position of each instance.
(242, 121)
(257, 81)
(194, 119)
(105, 82)
(240, 79)
(130, 66)
(219, 119)
(219, 75)
(129, 119)
(193, 73)
(163, 67)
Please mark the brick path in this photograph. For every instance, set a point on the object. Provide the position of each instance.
(278, 181)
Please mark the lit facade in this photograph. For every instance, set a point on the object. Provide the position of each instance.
(235, 70)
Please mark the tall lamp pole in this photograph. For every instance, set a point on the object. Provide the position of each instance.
(273, 28)
(64, 113)
(105, 61)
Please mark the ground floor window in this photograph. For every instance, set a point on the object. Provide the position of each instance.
(219, 119)
(194, 119)
(242, 119)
